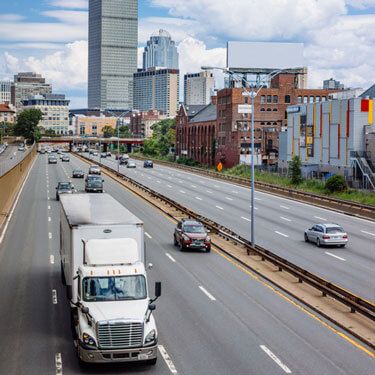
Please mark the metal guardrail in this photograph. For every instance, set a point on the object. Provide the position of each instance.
(354, 302)
(348, 207)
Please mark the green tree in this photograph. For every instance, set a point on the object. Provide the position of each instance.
(27, 124)
(165, 135)
(295, 170)
(6, 129)
(108, 131)
(124, 131)
(336, 183)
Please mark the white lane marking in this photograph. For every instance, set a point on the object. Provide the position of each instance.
(49, 207)
(149, 178)
(49, 218)
(216, 186)
(234, 191)
(193, 186)
(229, 199)
(189, 178)
(167, 359)
(287, 208)
(47, 198)
(281, 234)
(47, 191)
(335, 256)
(320, 218)
(285, 218)
(198, 198)
(181, 191)
(209, 191)
(371, 234)
(52, 259)
(169, 186)
(58, 363)
(255, 208)
(147, 235)
(245, 218)
(220, 208)
(275, 359)
(170, 257)
(208, 294)
(54, 296)
(257, 199)
(158, 181)
(169, 177)
(180, 181)
(15, 204)
(49, 235)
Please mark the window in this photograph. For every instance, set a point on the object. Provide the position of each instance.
(275, 99)
(262, 99)
(275, 109)
(287, 98)
(269, 98)
(305, 98)
(269, 109)
(317, 99)
(324, 98)
(299, 99)
(311, 99)
(262, 110)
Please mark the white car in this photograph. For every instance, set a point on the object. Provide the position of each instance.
(326, 234)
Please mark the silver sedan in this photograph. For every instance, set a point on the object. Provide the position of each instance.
(326, 234)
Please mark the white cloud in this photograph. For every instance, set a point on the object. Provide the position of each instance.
(65, 69)
(361, 4)
(10, 17)
(72, 4)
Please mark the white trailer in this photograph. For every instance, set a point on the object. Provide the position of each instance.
(102, 265)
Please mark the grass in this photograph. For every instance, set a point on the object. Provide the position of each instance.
(310, 186)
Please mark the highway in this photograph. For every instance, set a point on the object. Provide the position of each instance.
(279, 225)
(11, 157)
(213, 317)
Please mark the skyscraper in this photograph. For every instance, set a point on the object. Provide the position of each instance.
(198, 88)
(113, 42)
(160, 51)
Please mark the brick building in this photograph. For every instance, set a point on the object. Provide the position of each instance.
(233, 135)
(141, 122)
(91, 125)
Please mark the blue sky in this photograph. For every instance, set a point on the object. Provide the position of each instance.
(50, 36)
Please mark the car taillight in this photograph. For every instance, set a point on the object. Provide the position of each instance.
(325, 237)
(345, 236)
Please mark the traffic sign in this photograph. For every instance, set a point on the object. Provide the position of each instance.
(245, 108)
(219, 167)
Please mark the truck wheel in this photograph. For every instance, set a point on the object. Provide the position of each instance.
(175, 241)
(152, 362)
(208, 249)
(62, 275)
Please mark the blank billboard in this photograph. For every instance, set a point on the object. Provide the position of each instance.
(254, 55)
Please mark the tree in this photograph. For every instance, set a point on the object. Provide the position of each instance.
(49, 132)
(27, 124)
(295, 170)
(108, 131)
(124, 131)
(6, 129)
(336, 183)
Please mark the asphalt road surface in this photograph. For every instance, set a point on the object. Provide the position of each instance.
(213, 317)
(11, 157)
(279, 223)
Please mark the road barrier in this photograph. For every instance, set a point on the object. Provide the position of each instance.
(341, 205)
(11, 182)
(353, 302)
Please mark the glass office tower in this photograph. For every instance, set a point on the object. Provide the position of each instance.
(113, 42)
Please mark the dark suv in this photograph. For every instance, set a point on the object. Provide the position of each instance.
(94, 183)
(148, 164)
(191, 234)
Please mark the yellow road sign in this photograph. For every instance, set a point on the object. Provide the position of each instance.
(219, 167)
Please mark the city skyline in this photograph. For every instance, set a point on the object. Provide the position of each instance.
(55, 43)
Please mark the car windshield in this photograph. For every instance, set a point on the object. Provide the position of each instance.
(194, 228)
(114, 288)
(78, 171)
(94, 179)
(334, 230)
(64, 186)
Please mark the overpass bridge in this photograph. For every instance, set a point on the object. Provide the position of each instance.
(91, 141)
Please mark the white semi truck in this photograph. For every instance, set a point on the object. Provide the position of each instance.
(103, 267)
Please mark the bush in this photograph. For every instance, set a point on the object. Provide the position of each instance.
(336, 183)
(295, 170)
(187, 161)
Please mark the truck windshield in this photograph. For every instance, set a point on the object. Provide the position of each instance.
(114, 288)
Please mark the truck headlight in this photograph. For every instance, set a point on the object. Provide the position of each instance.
(151, 337)
(88, 340)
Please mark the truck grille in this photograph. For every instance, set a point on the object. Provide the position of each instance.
(119, 334)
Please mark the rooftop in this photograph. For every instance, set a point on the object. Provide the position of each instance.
(208, 113)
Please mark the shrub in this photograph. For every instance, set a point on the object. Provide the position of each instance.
(295, 170)
(336, 183)
(187, 161)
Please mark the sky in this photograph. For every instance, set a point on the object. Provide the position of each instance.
(50, 36)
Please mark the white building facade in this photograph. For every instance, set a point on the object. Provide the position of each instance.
(198, 88)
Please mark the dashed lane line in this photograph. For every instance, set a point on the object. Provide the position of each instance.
(281, 234)
(245, 218)
(276, 359)
(170, 257)
(148, 235)
(335, 256)
(167, 359)
(220, 208)
(207, 293)
(285, 218)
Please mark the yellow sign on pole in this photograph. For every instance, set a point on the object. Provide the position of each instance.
(219, 167)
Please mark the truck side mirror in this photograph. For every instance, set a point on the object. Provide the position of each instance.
(85, 310)
(158, 289)
(151, 307)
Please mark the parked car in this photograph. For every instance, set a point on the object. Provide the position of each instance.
(78, 173)
(103, 154)
(94, 183)
(94, 169)
(326, 234)
(191, 234)
(130, 164)
(64, 188)
(65, 158)
(148, 164)
(52, 159)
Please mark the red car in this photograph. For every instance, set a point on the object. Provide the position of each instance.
(191, 234)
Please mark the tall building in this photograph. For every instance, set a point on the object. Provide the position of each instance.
(5, 91)
(198, 88)
(160, 51)
(55, 110)
(157, 89)
(141, 122)
(113, 43)
(26, 85)
(332, 84)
